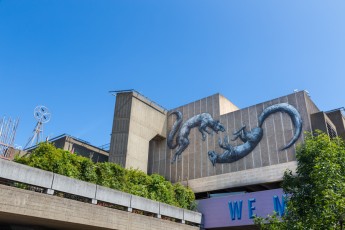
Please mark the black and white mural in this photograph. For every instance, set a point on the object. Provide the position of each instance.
(250, 138)
(202, 121)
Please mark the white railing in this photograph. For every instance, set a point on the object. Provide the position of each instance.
(52, 182)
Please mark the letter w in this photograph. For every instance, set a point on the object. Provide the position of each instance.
(235, 210)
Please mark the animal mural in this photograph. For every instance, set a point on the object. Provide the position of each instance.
(202, 121)
(252, 138)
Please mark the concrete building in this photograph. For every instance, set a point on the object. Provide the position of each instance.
(193, 144)
(232, 158)
(77, 146)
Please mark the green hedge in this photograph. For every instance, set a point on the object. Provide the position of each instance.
(134, 181)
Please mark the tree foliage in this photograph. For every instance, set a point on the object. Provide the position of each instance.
(316, 192)
(271, 222)
(111, 175)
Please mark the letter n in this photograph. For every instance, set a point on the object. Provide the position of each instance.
(279, 208)
(235, 209)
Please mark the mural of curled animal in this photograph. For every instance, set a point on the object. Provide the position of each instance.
(202, 121)
(252, 138)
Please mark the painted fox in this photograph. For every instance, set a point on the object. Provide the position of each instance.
(202, 121)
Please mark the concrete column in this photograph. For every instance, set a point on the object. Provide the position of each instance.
(137, 120)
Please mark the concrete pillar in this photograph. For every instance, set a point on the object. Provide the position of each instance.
(136, 121)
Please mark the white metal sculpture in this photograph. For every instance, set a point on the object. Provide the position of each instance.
(42, 115)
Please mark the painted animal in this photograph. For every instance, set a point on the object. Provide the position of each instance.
(202, 121)
(252, 138)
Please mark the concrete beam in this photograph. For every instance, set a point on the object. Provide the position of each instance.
(25, 174)
(273, 173)
(25, 207)
(171, 211)
(194, 217)
(113, 196)
(74, 186)
(144, 204)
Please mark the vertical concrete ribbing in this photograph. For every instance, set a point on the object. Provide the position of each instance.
(120, 129)
(291, 151)
(279, 136)
(165, 158)
(234, 165)
(197, 144)
(210, 137)
(275, 128)
(230, 122)
(204, 171)
(270, 134)
(170, 151)
(239, 123)
(246, 120)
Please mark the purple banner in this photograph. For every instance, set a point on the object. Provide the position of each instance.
(239, 209)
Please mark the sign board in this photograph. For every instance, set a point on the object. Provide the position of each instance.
(239, 209)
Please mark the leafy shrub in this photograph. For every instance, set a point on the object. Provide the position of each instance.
(111, 175)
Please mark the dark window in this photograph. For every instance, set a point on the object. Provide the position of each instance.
(331, 132)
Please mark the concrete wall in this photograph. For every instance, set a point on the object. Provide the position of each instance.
(311, 107)
(242, 178)
(52, 182)
(138, 127)
(226, 106)
(320, 120)
(119, 134)
(78, 147)
(84, 149)
(18, 206)
(338, 120)
(194, 162)
(137, 121)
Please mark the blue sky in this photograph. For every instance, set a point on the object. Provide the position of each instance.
(68, 54)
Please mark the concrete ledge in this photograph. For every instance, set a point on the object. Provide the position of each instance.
(194, 217)
(25, 207)
(25, 174)
(113, 196)
(74, 186)
(144, 204)
(55, 182)
(171, 211)
(149, 102)
(273, 173)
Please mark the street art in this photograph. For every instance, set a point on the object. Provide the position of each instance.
(232, 153)
(252, 138)
(202, 121)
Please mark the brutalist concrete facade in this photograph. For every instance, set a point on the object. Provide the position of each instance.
(137, 121)
(76, 146)
(80, 147)
(278, 130)
(194, 166)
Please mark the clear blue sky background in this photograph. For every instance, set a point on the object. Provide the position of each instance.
(68, 54)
